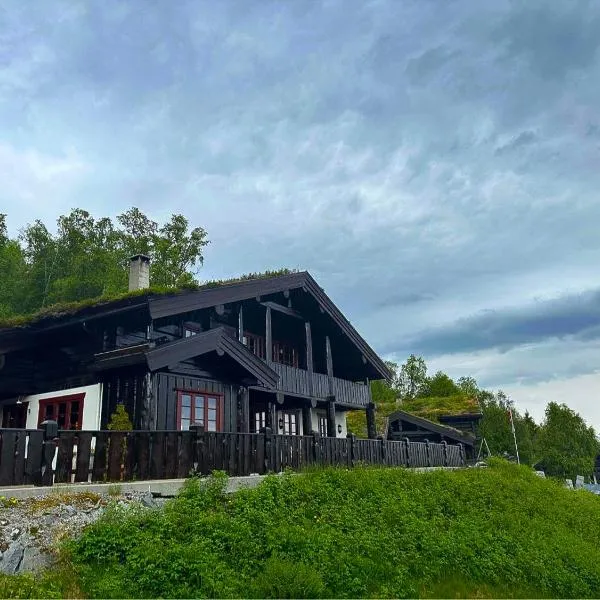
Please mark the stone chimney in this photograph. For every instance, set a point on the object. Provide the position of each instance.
(139, 272)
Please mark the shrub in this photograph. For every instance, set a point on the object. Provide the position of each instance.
(367, 532)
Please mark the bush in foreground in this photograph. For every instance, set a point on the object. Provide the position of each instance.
(368, 532)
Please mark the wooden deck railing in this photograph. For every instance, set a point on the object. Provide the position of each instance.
(298, 381)
(28, 457)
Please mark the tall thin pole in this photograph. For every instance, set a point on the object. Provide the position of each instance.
(512, 424)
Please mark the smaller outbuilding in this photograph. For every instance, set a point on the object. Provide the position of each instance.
(402, 425)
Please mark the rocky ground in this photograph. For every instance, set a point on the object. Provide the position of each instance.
(30, 528)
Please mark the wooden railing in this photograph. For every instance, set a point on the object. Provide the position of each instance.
(298, 381)
(30, 457)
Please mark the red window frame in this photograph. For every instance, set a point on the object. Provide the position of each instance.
(194, 405)
(56, 401)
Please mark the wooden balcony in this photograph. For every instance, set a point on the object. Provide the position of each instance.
(299, 382)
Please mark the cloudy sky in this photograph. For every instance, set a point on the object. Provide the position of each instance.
(434, 164)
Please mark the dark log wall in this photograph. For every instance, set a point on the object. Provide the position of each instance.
(165, 390)
(128, 386)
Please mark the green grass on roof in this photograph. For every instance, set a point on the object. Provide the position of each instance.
(63, 309)
(433, 408)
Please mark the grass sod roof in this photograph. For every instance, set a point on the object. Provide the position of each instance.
(69, 309)
(432, 408)
(429, 408)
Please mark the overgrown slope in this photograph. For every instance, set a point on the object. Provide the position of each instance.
(497, 532)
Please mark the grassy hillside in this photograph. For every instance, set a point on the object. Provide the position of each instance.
(497, 532)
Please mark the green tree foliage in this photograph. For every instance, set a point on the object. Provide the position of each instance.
(12, 267)
(412, 377)
(88, 257)
(440, 385)
(567, 446)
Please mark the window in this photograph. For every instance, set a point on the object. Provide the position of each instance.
(290, 423)
(189, 332)
(67, 411)
(323, 426)
(195, 408)
(260, 421)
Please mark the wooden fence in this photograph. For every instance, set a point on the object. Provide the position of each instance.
(32, 457)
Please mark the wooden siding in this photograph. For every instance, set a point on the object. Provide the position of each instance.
(127, 387)
(165, 390)
(298, 381)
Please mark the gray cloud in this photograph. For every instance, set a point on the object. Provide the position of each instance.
(576, 316)
(426, 161)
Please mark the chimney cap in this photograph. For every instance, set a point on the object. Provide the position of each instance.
(141, 257)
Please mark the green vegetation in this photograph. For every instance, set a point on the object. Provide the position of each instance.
(367, 532)
(119, 420)
(563, 445)
(433, 407)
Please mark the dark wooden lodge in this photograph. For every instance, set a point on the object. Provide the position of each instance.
(266, 352)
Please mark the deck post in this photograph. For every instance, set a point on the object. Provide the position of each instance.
(331, 426)
(316, 448)
(428, 452)
(50, 429)
(384, 449)
(329, 360)
(307, 419)
(408, 458)
(245, 411)
(268, 450)
(445, 446)
(241, 325)
(309, 357)
(270, 416)
(352, 450)
(371, 425)
(268, 337)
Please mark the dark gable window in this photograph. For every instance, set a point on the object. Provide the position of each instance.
(256, 344)
(67, 411)
(283, 352)
(199, 408)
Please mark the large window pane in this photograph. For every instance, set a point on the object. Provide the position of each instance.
(185, 412)
(212, 403)
(186, 400)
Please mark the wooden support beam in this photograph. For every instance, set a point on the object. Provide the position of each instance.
(270, 420)
(331, 426)
(268, 337)
(309, 349)
(283, 309)
(307, 420)
(329, 360)
(371, 425)
(245, 411)
(241, 325)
